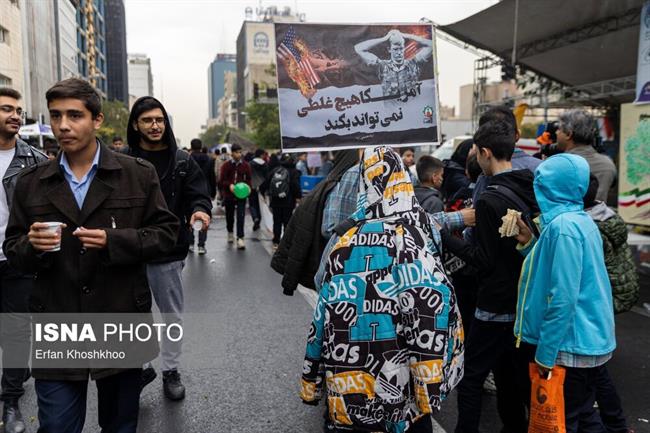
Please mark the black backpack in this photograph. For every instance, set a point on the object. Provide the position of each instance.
(279, 187)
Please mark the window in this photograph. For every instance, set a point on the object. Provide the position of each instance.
(4, 36)
(5, 81)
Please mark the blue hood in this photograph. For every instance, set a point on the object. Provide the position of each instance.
(560, 184)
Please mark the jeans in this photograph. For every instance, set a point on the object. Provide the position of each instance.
(230, 205)
(203, 236)
(15, 330)
(254, 206)
(281, 217)
(62, 404)
(491, 346)
(166, 284)
(579, 395)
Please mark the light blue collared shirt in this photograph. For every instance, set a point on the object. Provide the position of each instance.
(79, 187)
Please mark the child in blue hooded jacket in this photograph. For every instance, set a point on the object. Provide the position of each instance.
(565, 298)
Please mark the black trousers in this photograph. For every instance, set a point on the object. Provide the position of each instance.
(15, 330)
(281, 217)
(579, 395)
(232, 204)
(203, 236)
(62, 403)
(254, 206)
(609, 403)
(491, 346)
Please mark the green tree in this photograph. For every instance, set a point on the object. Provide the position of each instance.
(265, 123)
(213, 135)
(116, 121)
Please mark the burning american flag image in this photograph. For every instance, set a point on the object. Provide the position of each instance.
(295, 55)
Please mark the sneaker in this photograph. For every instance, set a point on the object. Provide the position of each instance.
(240, 244)
(148, 376)
(172, 385)
(191, 248)
(256, 225)
(489, 386)
(231, 238)
(12, 418)
(202, 251)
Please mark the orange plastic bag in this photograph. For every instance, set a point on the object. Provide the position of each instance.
(547, 401)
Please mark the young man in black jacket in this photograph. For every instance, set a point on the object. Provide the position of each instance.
(184, 187)
(490, 344)
(113, 220)
(283, 186)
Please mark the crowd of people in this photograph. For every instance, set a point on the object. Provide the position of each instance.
(432, 275)
(536, 263)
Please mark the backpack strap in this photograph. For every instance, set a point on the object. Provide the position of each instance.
(514, 199)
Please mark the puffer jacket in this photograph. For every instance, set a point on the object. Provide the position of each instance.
(565, 298)
(623, 275)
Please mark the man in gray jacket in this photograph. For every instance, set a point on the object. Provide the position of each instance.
(15, 155)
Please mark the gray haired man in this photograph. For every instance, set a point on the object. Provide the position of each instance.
(575, 134)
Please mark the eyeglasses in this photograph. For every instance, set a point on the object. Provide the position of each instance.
(149, 121)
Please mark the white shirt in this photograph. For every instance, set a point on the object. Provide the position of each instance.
(6, 156)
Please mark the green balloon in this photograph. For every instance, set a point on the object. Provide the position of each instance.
(241, 190)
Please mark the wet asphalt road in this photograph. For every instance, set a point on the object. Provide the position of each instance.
(244, 343)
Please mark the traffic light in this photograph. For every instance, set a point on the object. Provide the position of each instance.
(508, 72)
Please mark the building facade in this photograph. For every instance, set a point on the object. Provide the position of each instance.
(216, 71)
(117, 72)
(140, 77)
(91, 43)
(11, 45)
(255, 66)
(227, 106)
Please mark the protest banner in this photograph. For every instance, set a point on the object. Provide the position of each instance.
(351, 86)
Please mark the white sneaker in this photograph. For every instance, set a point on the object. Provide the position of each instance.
(231, 238)
(240, 244)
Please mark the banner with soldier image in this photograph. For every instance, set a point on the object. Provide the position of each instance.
(351, 86)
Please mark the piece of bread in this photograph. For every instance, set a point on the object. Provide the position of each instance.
(509, 228)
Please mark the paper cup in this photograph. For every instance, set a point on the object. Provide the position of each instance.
(54, 227)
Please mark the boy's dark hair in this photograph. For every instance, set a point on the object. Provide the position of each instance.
(76, 88)
(224, 150)
(473, 168)
(196, 144)
(235, 147)
(426, 167)
(11, 93)
(498, 136)
(403, 150)
(589, 199)
(500, 112)
(117, 138)
(259, 153)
